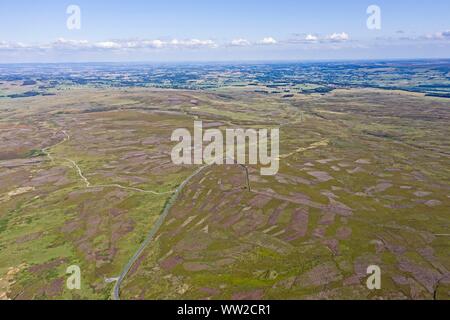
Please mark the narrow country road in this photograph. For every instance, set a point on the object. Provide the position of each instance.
(154, 230)
(152, 233)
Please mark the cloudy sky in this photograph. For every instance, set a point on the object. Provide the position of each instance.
(232, 30)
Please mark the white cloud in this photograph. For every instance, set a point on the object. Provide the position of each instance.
(69, 44)
(192, 43)
(302, 40)
(268, 41)
(443, 35)
(108, 45)
(311, 37)
(72, 43)
(337, 37)
(240, 43)
(151, 44)
(415, 38)
(6, 45)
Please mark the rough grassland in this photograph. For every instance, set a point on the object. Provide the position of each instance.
(364, 179)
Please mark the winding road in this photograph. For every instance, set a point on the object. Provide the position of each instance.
(152, 233)
(155, 228)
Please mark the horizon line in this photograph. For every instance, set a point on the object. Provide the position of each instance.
(230, 61)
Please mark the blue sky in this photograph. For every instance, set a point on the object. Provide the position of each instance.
(206, 30)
